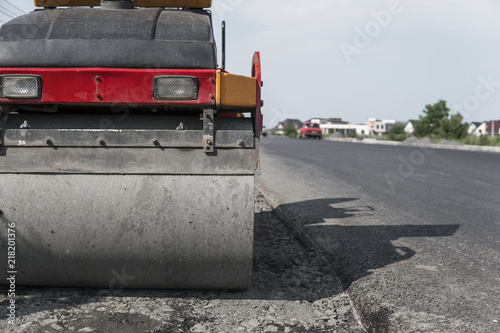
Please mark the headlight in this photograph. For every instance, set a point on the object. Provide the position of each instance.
(176, 88)
(21, 86)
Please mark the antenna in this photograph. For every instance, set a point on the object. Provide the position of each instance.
(223, 44)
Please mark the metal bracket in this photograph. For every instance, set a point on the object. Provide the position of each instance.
(4, 115)
(208, 131)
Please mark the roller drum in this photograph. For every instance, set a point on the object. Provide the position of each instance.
(130, 231)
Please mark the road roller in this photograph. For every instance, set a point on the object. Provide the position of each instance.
(127, 153)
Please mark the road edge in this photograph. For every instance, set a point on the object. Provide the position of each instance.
(282, 215)
(488, 149)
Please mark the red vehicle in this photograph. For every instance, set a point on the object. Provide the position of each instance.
(310, 130)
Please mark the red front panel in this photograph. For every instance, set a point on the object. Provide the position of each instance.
(109, 86)
(257, 73)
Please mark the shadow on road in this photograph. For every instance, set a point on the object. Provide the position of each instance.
(355, 250)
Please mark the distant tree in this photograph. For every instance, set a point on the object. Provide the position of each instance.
(453, 128)
(433, 119)
(397, 133)
(438, 122)
(291, 131)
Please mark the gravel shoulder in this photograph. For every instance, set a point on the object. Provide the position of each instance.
(292, 291)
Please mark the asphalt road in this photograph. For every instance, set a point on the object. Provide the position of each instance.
(413, 233)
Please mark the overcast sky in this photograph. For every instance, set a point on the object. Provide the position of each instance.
(357, 59)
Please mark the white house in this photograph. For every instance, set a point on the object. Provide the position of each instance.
(345, 129)
(473, 127)
(337, 125)
(480, 129)
(327, 121)
(280, 128)
(490, 128)
(381, 126)
(410, 127)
